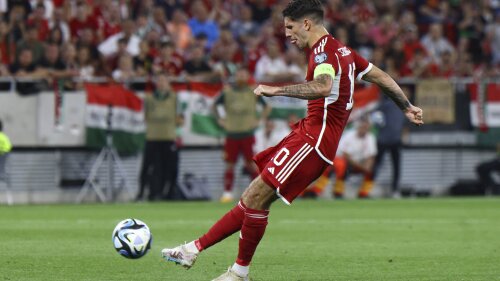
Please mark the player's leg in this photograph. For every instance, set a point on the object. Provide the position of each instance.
(248, 153)
(230, 156)
(234, 220)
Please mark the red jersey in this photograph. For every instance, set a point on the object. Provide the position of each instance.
(327, 117)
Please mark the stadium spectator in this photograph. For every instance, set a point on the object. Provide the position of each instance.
(447, 66)
(169, 61)
(260, 11)
(244, 26)
(86, 66)
(81, 20)
(37, 19)
(17, 22)
(159, 23)
(385, 31)
(471, 31)
(201, 23)
(197, 67)
(411, 41)
(7, 46)
(143, 63)
(493, 38)
(271, 67)
(296, 65)
(179, 30)
(278, 178)
(125, 70)
(112, 22)
(161, 159)
(58, 22)
(356, 155)
(109, 47)
(31, 42)
(485, 172)
(269, 135)
(48, 7)
(25, 66)
(435, 43)
(225, 44)
(236, 112)
(360, 40)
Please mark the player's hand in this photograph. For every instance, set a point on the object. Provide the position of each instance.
(266, 91)
(415, 115)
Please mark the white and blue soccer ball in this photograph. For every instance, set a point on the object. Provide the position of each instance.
(132, 238)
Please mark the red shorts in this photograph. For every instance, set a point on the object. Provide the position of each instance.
(233, 147)
(290, 166)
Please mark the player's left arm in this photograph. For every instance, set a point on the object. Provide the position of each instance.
(320, 87)
(393, 91)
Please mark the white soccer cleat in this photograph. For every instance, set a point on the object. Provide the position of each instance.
(180, 255)
(230, 275)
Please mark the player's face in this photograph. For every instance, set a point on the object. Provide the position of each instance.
(295, 32)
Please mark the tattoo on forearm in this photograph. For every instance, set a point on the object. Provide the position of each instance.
(308, 91)
(394, 92)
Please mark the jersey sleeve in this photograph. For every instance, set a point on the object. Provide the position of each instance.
(362, 65)
(325, 61)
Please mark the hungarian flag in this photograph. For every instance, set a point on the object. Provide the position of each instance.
(197, 99)
(117, 110)
(485, 106)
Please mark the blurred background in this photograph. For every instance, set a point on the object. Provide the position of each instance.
(76, 76)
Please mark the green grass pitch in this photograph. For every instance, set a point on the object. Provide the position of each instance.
(419, 239)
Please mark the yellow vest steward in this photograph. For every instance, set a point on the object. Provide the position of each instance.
(160, 117)
(241, 109)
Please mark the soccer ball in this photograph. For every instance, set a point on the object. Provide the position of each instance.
(132, 238)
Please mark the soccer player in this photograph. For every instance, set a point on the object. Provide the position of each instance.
(289, 167)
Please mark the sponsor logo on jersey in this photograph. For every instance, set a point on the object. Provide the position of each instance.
(271, 170)
(344, 51)
(319, 58)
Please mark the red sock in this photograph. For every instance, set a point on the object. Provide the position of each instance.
(228, 180)
(254, 226)
(223, 228)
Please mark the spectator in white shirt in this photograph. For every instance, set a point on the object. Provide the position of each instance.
(435, 44)
(356, 154)
(271, 67)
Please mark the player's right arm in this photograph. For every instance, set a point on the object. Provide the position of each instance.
(318, 88)
(393, 91)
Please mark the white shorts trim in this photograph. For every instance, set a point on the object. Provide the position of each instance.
(281, 197)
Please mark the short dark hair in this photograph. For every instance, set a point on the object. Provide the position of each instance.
(297, 9)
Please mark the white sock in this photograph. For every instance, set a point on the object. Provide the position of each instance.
(191, 247)
(240, 269)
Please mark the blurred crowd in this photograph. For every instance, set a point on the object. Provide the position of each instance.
(207, 40)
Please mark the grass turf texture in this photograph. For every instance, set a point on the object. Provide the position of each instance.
(424, 239)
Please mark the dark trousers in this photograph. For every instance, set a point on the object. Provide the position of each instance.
(159, 171)
(395, 153)
(484, 171)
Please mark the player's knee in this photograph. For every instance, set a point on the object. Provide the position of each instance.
(258, 195)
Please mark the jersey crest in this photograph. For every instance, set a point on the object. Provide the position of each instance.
(319, 58)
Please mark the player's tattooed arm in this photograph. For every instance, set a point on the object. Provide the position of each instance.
(388, 86)
(393, 91)
(320, 87)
